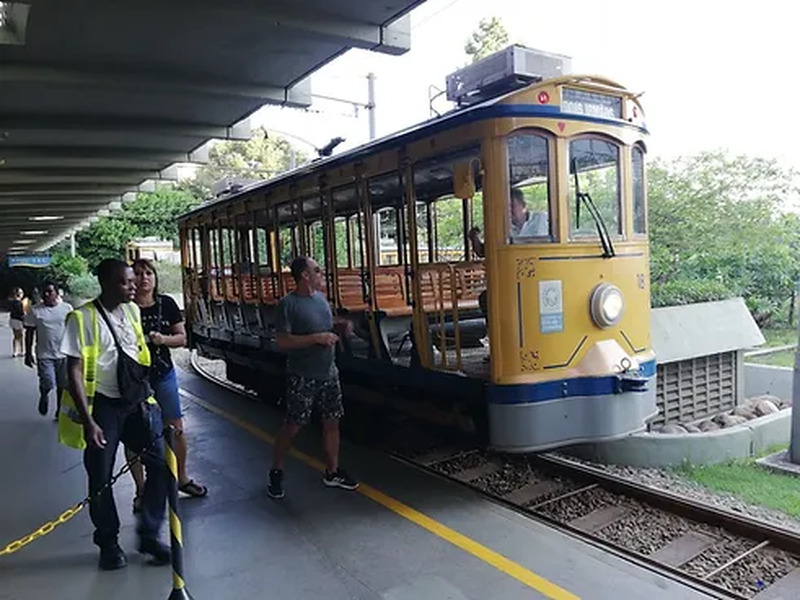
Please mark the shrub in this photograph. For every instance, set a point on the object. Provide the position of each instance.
(688, 291)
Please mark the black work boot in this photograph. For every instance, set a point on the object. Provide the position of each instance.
(112, 557)
(157, 550)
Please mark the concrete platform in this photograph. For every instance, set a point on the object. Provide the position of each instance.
(779, 462)
(404, 536)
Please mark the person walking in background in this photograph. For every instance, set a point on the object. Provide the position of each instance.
(45, 323)
(164, 329)
(109, 402)
(304, 327)
(17, 321)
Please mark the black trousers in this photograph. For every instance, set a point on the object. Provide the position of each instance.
(136, 427)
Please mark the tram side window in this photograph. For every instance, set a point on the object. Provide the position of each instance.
(289, 234)
(195, 246)
(444, 220)
(529, 194)
(386, 194)
(596, 161)
(343, 242)
(639, 206)
(349, 226)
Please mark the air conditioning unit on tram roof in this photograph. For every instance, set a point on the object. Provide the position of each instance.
(504, 71)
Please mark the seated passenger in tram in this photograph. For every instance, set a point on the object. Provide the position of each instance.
(524, 224)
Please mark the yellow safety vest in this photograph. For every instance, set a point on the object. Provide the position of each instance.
(70, 424)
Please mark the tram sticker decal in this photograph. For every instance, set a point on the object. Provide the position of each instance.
(551, 307)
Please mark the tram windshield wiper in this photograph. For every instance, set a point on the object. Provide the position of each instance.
(584, 197)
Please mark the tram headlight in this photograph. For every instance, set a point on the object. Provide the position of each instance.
(607, 305)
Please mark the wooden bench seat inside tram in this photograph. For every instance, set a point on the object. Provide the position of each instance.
(390, 290)
(436, 282)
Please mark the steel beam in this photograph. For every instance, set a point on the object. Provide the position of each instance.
(12, 153)
(150, 83)
(11, 125)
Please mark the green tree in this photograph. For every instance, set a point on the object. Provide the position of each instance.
(490, 36)
(717, 230)
(260, 157)
(150, 214)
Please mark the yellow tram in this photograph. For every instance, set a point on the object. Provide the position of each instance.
(494, 260)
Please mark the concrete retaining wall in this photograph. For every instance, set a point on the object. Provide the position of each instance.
(670, 450)
(766, 379)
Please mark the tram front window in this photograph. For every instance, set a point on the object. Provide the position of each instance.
(529, 189)
(597, 164)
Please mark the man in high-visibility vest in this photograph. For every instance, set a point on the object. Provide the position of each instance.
(109, 401)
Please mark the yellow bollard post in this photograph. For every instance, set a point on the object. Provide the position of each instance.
(179, 591)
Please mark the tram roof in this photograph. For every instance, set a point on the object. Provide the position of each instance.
(100, 98)
(491, 108)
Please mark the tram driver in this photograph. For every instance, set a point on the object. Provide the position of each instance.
(523, 223)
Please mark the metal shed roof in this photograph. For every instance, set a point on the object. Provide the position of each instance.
(98, 97)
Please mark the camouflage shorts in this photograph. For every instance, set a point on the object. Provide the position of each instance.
(304, 395)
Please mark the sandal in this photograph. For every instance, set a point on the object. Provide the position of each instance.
(193, 489)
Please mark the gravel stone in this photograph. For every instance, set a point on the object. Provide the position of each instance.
(459, 463)
(726, 420)
(579, 505)
(755, 400)
(726, 549)
(673, 428)
(745, 411)
(766, 407)
(645, 530)
(757, 571)
(708, 426)
(668, 480)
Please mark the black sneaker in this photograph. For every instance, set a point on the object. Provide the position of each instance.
(112, 557)
(43, 404)
(339, 479)
(157, 550)
(275, 489)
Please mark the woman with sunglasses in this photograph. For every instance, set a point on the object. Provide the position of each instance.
(163, 326)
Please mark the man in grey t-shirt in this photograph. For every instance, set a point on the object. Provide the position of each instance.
(45, 322)
(304, 326)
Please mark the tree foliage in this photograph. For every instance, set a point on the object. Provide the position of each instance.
(490, 36)
(717, 230)
(151, 214)
(260, 157)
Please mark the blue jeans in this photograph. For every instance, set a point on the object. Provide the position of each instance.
(52, 374)
(165, 389)
(136, 427)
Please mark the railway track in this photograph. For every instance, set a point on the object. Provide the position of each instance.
(722, 553)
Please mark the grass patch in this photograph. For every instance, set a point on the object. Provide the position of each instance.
(779, 336)
(784, 358)
(753, 484)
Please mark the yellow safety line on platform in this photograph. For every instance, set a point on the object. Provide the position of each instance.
(487, 555)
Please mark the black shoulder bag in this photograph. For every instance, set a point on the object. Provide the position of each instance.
(131, 376)
(160, 366)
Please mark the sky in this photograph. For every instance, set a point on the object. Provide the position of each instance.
(715, 75)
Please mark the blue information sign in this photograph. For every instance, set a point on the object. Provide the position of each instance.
(30, 260)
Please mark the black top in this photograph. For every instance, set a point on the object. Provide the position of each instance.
(160, 358)
(17, 312)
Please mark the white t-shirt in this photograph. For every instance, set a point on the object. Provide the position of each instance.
(49, 322)
(107, 356)
(537, 225)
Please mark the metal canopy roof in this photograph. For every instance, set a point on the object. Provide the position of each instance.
(98, 97)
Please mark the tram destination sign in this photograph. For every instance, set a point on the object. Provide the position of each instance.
(591, 104)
